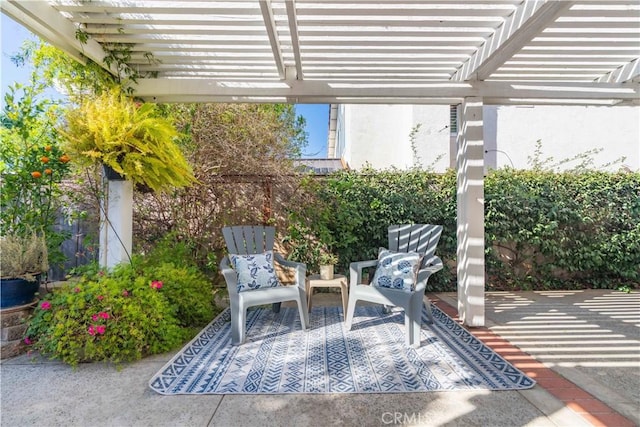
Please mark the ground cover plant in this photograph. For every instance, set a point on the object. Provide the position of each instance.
(135, 310)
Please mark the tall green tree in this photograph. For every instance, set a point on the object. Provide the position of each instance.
(55, 69)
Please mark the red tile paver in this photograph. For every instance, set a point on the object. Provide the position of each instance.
(593, 406)
(583, 403)
(539, 373)
(569, 393)
(554, 381)
(607, 420)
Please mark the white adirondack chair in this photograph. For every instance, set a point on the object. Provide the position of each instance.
(420, 238)
(250, 240)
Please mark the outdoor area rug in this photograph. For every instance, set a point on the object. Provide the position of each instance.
(278, 357)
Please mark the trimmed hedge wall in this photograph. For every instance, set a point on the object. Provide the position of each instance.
(543, 230)
(549, 230)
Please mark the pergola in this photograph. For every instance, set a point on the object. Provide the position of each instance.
(469, 53)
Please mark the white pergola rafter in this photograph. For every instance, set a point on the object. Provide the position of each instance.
(338, 47)
(295, 42)
(629, 72)
(272, 31)
(41, 19)
(312, 91)
(528, 20)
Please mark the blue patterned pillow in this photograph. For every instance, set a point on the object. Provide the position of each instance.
(397, 270)
(254, 271)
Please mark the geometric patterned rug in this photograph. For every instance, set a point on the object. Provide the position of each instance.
(278, 357)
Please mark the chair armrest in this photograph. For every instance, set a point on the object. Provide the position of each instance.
(287, 263)
(355, 270)
(432, 265)
(229, 275)
(301, 269)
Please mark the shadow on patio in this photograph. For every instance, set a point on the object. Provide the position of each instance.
(589, 337)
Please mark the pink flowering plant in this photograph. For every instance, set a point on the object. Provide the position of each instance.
(123, 315)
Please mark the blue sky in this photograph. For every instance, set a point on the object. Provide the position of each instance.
(13, 34)
(317, 116)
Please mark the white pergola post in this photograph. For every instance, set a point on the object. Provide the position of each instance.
(116, 223)
(470, 209)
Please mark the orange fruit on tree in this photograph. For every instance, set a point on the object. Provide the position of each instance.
(64, 158)
(36, 174)
(48, 171)
(47, 148)
(44, 159)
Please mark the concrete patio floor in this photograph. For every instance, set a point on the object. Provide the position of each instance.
(583, 348)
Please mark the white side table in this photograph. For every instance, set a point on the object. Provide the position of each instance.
(338, 281)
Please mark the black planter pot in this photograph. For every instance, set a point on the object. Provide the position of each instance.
(15, 292)
(112, 175)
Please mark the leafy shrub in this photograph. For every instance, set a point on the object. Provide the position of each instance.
(562, 230)
(186, 289)
(103, 321)
(134, 311)
(542, 229)
(240, 154)
(356, 208)
(171, 247)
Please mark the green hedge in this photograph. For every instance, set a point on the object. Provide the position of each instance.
(543, 230)
(356, 208)
(549, 230)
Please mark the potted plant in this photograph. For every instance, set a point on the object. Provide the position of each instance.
(312, 246)
(327, 261)
(24, 259)
(132, 139)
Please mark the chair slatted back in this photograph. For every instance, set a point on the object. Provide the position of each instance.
(420, 238)
(247, 240)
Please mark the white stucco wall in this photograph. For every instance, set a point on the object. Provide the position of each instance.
(342, 144)
(379, 134)
(432, 138)
(566, 132)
